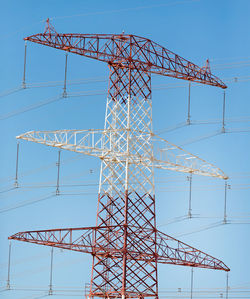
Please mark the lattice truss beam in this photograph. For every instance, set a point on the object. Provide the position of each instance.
(99, 143)
(124, 49)
(168, 249)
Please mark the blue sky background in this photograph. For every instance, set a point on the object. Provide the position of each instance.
(196, 30)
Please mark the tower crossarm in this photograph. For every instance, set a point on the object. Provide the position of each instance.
(100, 143)
(126, 51)
(76, 239)
(88, 142)
(173, 251)
(87, 240)
(172, 157)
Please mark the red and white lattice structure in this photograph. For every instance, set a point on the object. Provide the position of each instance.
(125, 244)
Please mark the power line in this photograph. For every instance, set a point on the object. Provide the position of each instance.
(138, 8)
(42, 168)
(25, 203)
(30, 107)
(11, 91)
(56, 83)
(168, 189)
(77, 94)
(44, 103)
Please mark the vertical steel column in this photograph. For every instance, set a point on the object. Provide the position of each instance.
(125, 223)
(192, 282)
(225, 203)
(17, 159)
(24, 65)
(58, 172)
(8, 277)
(121, 201)
(51, 272)
(189, 116)
(223, 113)
(190, 196)
(65, 76)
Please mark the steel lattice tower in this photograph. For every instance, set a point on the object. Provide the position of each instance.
(126, 194)
(125, 243)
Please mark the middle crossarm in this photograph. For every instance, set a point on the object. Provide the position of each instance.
(99, 143)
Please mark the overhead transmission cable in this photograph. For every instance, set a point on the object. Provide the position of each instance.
(51, 100)
(26, 203)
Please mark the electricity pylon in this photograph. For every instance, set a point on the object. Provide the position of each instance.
(125, 243)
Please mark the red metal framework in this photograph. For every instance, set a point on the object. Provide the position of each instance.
(126, 195)
(125, 243)
(168, 249)
(123, 49)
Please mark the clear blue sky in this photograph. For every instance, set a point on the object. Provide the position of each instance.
(196, 30)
